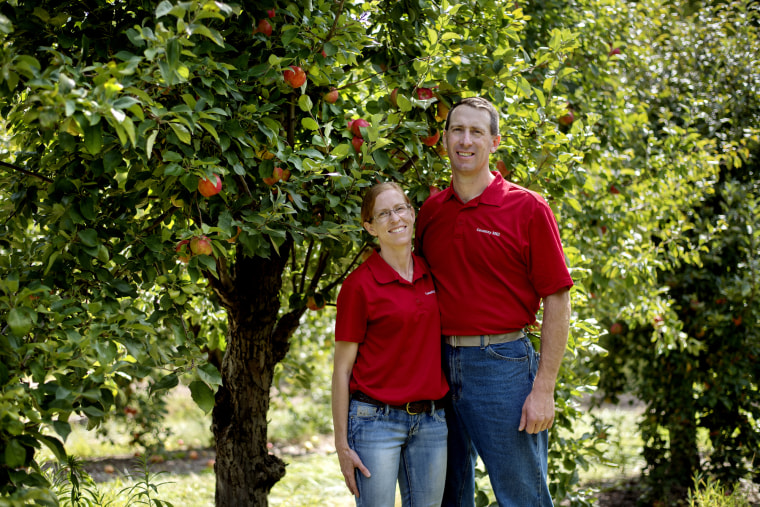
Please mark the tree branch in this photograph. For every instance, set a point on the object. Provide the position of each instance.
(25, 171)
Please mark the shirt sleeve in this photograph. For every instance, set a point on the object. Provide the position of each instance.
(548, 266)
(352, 313)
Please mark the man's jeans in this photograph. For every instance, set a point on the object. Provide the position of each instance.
(395, 445)
(489, 386)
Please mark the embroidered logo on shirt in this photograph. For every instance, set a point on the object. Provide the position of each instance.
(492, 233)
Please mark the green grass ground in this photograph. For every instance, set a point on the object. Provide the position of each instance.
(313, 475)
(298, 434)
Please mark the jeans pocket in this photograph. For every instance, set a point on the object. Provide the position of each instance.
(511, 351)
(439, 415)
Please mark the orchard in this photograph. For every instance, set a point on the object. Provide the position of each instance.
(165, 163)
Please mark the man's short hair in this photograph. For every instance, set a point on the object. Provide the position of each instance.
(478, 103)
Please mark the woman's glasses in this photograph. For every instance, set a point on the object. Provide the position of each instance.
(402, 210)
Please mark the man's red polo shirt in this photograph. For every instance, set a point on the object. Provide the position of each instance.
(492, 258)
(398, 328)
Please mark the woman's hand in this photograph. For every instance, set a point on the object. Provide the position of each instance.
(349, 462)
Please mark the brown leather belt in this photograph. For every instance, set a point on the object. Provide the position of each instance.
(484, 340)
(411, 408)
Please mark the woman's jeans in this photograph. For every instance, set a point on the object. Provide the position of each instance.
(397, 446)
(488, 388)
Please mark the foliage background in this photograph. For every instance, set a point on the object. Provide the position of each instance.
(113, 111)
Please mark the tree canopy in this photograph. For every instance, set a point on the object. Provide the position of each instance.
(165, 160)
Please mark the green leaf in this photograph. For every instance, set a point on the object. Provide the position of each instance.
(305, 103)
(15, 454)
(210, 374)
(164, 8)
(54, 445)
(168, 382)
(182, 133)
(202, 395)
(89, 237)
(403, 103)
(93, 139)
(20, 321)
(341, 150)
(310, 123)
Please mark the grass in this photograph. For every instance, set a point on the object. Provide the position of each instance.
(300, 434)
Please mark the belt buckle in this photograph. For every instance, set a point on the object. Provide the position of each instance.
(410, 412)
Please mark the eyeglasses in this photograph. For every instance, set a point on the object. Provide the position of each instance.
(402, 210)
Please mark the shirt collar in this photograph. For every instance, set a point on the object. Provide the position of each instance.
(493, 195)
(383, 273)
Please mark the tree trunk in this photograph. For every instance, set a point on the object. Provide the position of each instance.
(245, 471)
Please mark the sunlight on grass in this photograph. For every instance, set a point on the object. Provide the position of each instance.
(624, 444)
(191, 490)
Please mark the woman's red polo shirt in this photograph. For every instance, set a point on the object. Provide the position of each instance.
(398, 328)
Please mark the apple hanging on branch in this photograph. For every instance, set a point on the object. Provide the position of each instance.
(356, 125)
(332, 96)
(264, 27)
(201, 245)
(431, 140)
(424, 93)
(567, 119)
(210, 187)
(295, 76)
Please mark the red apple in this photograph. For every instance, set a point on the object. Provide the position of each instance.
(614, 51)
(200, 245)
(324, 55)
(193, 454)
(567, 119)
(181, 249)
(269, 181)
(332, 96)
(357, 142)
(424, 93)
(431, 140)
(265, 27)
(295, 76)
(207, 187)
(616, 328)
(433, 190)
(271, 13)
(614, 190)
(356, 125)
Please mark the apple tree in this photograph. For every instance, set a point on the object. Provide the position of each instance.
(669, 219)
(163, 161)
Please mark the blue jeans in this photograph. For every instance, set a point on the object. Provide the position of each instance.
(488, 387)
(397, 446)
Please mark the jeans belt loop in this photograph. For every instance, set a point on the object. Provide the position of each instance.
(483, 342)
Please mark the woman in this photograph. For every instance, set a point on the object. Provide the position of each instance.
(388, 387)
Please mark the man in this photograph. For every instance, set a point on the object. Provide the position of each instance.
(495, 252)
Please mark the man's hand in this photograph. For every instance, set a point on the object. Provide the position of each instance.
(537, 412)
(350, 461)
